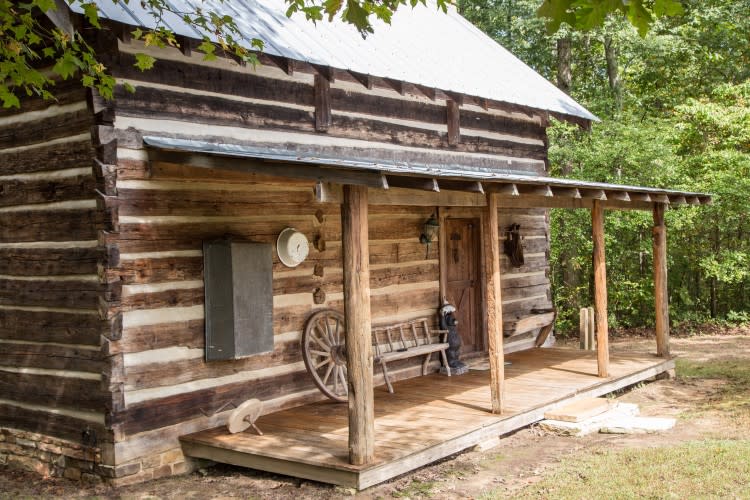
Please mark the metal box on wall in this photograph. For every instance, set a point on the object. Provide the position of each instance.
(238, 279)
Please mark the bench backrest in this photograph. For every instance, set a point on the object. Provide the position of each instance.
(389, 338)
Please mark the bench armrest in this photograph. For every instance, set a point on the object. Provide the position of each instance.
(442, 334)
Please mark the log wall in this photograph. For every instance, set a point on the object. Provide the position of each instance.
(51, 365)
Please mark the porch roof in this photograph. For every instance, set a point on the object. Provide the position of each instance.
(383, 174)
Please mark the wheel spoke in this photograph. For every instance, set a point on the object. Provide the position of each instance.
(343, 379)
(336, 380)
(328, 373)
(331, 340)
(323, 363)
(338, 328)
(321, 341)
(326, 354)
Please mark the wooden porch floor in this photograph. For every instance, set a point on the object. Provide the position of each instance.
(428, 418)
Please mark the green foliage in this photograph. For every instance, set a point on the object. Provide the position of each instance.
(683, 122)
(590, 14)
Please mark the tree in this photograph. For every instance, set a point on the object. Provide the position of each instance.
(37, 37)
(589, 14)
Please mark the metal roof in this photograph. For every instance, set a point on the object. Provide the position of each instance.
(422, 46)
(387, 170)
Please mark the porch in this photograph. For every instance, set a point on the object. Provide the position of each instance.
(428, 418)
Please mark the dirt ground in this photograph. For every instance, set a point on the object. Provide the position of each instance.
(521, 458)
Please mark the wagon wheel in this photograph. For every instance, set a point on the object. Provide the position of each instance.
(324, 352)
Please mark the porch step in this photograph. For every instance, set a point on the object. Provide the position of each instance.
(581, 410)
(592, 424)
(637, 425)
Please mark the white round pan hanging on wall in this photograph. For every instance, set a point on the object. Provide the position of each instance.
(292, 247)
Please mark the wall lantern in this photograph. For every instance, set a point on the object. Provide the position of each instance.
(429, 232)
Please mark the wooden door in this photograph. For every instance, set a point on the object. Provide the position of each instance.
(462, 283)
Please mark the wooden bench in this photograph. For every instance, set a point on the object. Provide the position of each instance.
(537, 319)
(406, 340)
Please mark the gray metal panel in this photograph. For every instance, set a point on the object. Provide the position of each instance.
(455, 172)
(422, 46)
(217, 275)
(239, 299)
(252, 265)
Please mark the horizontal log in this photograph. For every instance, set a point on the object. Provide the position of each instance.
(167, 298)
(66, 92)
(211, 110)
(55, 357)
(178, 372)
(49, 326)
(50, 424)
(141, 271)
(52, 390)
(54, 294)
(73, 154)
(13, 192)
(531, 264)
(170, 410)
(145, 338)
(524, 307)
(46, 129)
(524, 281)
(220, 81)
(511, 293)
(49, 261)
(215, 204)
(52, 225)
(411, 136)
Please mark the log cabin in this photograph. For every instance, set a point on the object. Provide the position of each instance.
(145, 296)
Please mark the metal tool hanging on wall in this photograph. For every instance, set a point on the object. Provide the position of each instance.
(513, 246)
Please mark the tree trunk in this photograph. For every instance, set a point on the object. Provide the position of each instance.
(564, 74)
(613, 71)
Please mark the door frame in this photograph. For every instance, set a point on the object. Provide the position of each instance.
(445, 213)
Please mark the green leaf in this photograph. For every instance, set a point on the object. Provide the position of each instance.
(67, 64)
(144, 61)
(9, 98)
(208, 49)
(668, 8)
(91, 11)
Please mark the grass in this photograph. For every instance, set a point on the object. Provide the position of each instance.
(698, 469)
(416, 488)
(733, 399)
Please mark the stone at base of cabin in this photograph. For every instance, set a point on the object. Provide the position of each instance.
(488, 444)
(666, 375)
(455, 371)
(590, 425)
(638, 425)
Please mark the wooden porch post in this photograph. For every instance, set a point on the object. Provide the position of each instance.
(600, 290)
(660, 281)
(491, 243)
(354, 229)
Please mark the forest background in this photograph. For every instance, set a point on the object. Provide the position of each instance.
(675, 113)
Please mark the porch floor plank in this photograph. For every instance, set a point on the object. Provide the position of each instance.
(426, 419)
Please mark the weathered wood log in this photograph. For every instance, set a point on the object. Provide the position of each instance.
(49, 261)
(600, 290)
(52, 390)
(50, 424)
(54, 294)
(46, 129)
(13, 192)
(53, 357)
(188, 334)
(66, 92)
(358, 325)
(661, 295)
(494, 308)
(49, 225)
(166, 411)
(73, 154)
(47, 326)
(167, 298)
(169, 373)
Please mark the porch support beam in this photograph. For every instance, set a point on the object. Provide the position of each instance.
(600, 289)
(356, 263)
(660, 281)
(491, 244)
